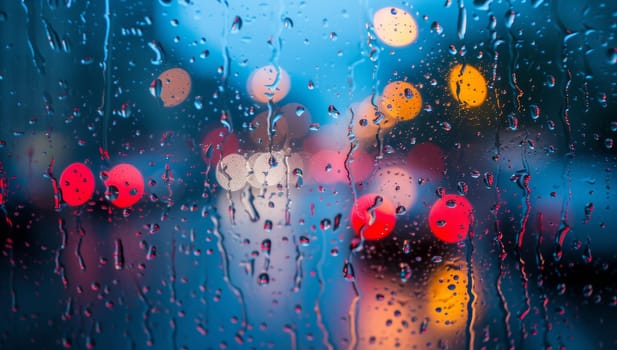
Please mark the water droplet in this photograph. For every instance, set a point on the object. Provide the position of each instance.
(440, 192)
(436, 27)
(401, 210)
(406, 246)
(337, 221)
(348, 271)
(408, 93)
(509, 18)
(266, 246)
(268, 225)
(550, 125)
(446, 126)
(288, 23)
(325, 224)
(118, 255)
(299, 111)
(489, 179)
(451, 203)
(535, 111)
(608, 143)
(405, 272)
(112, 193)
(263, 279)
(333, 112)
(304, 241)
(612, 55)
(441, 223)
(437, 259)
(512, 122)
(462, 188)
(236, 25)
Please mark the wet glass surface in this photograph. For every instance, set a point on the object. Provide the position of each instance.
(181, 174)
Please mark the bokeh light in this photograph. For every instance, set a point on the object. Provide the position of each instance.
(77, 184)
(400, 100)
(397, 184)
(268, 169)
(467, 85)
(172, 86)
(450, 217)
(395, 26)
(364, 120)
(268, 83)
(217, 144)
(264, 135)
(124, 185)
(373, 216)
(232, 172)
(448, 297)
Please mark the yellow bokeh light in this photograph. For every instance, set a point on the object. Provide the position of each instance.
(400, 101)
(267, 83)
(395, 26)
(448, 298)
(467, 85)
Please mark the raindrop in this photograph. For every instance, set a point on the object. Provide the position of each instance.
(437, 259)
(440, 192)
(462, 188)
(509, 18)
(299, 111)
(268, 225)
(304, 241)
(408, 93)
(266, 246)
(401, 210)
(406, 246)
(405, 273)
(348, 271)
(325, 224)
(489, 179)
(337, 221)
(446, 126)
(535, 111)
(436, 27)
(236, 25)
(612, 55)
(608, 143)
(263, 279)
(550, 125)
(288, 23)
(614, 126)
(333, 112)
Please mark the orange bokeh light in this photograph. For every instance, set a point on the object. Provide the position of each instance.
(175, 84)
(467, 85)
(400, 100)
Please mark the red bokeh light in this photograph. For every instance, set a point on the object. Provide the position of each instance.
(125, 185)
(450, 217)
(77, 184)
(373, 216)
(217, 144)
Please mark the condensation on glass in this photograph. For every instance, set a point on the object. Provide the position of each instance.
(180, 174)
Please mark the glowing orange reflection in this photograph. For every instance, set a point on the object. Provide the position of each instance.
(400, 101)
(175, 85)
(467, 85)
